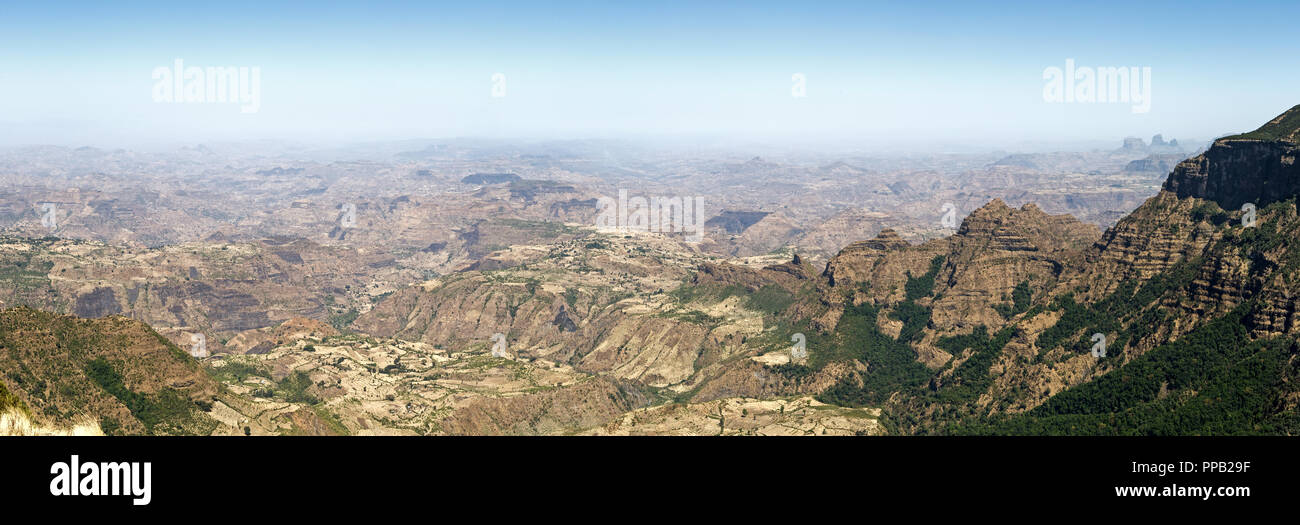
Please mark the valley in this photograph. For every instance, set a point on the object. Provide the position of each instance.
(468, 288)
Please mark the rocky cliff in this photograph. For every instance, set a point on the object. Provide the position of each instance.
(1184, 295)
(1257, 167)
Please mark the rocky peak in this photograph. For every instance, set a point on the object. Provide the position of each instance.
(1158, 145)
(860, 262)
(794, 267)
(1026, 229)
(994, 212)
(1134, 143)
(886, 240)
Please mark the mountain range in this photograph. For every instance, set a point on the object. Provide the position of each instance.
(1180, 318)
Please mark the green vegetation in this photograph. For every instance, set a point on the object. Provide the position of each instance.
(330, 420)
(891, 363)
(923, 286)
(769, 299)
(540, 228)
(971, 377)
(790, 371)
(1209, 211)
(237, 371)
(22, 273)
(1286, 128)
(109, 426)
(293, 388)
(692, 316)
(1128, 302)
(1213, 380)
(1274, 232)
(343, 320)
(9, 400)
(914, 317)
(165, 407)
(1020, 301)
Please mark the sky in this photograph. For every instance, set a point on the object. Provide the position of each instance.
(873, 74)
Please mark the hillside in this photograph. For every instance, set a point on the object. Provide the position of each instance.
(63, 370)
(989, 330)
(1197, 308)
(1181, 318)
(1286, 127)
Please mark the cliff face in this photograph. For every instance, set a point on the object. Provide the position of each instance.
(885, 259)
(989, 330)
(1257, 167)
(1184, 282)
(1153, 238)
(1234, 172)
(996, 249)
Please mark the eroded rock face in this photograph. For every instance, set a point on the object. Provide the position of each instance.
(886, 258)
(786, 275)
(563, 322)
(261, 340)
(1153, 238)
(218, 290)
(1000, 227)
(997, 249)
(1160, 163)
(733, 221)
(98, 303)
(601, 307)
(1235, 172)
(745, 234)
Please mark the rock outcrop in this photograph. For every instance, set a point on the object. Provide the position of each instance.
(1237, 171)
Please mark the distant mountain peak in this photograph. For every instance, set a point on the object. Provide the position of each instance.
(886, 240)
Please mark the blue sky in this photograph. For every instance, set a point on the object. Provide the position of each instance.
(877, 74)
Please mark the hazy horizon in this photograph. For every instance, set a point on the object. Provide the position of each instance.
(758, 147)
(879, 77)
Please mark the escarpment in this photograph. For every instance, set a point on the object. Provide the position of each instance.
(1257, 168)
